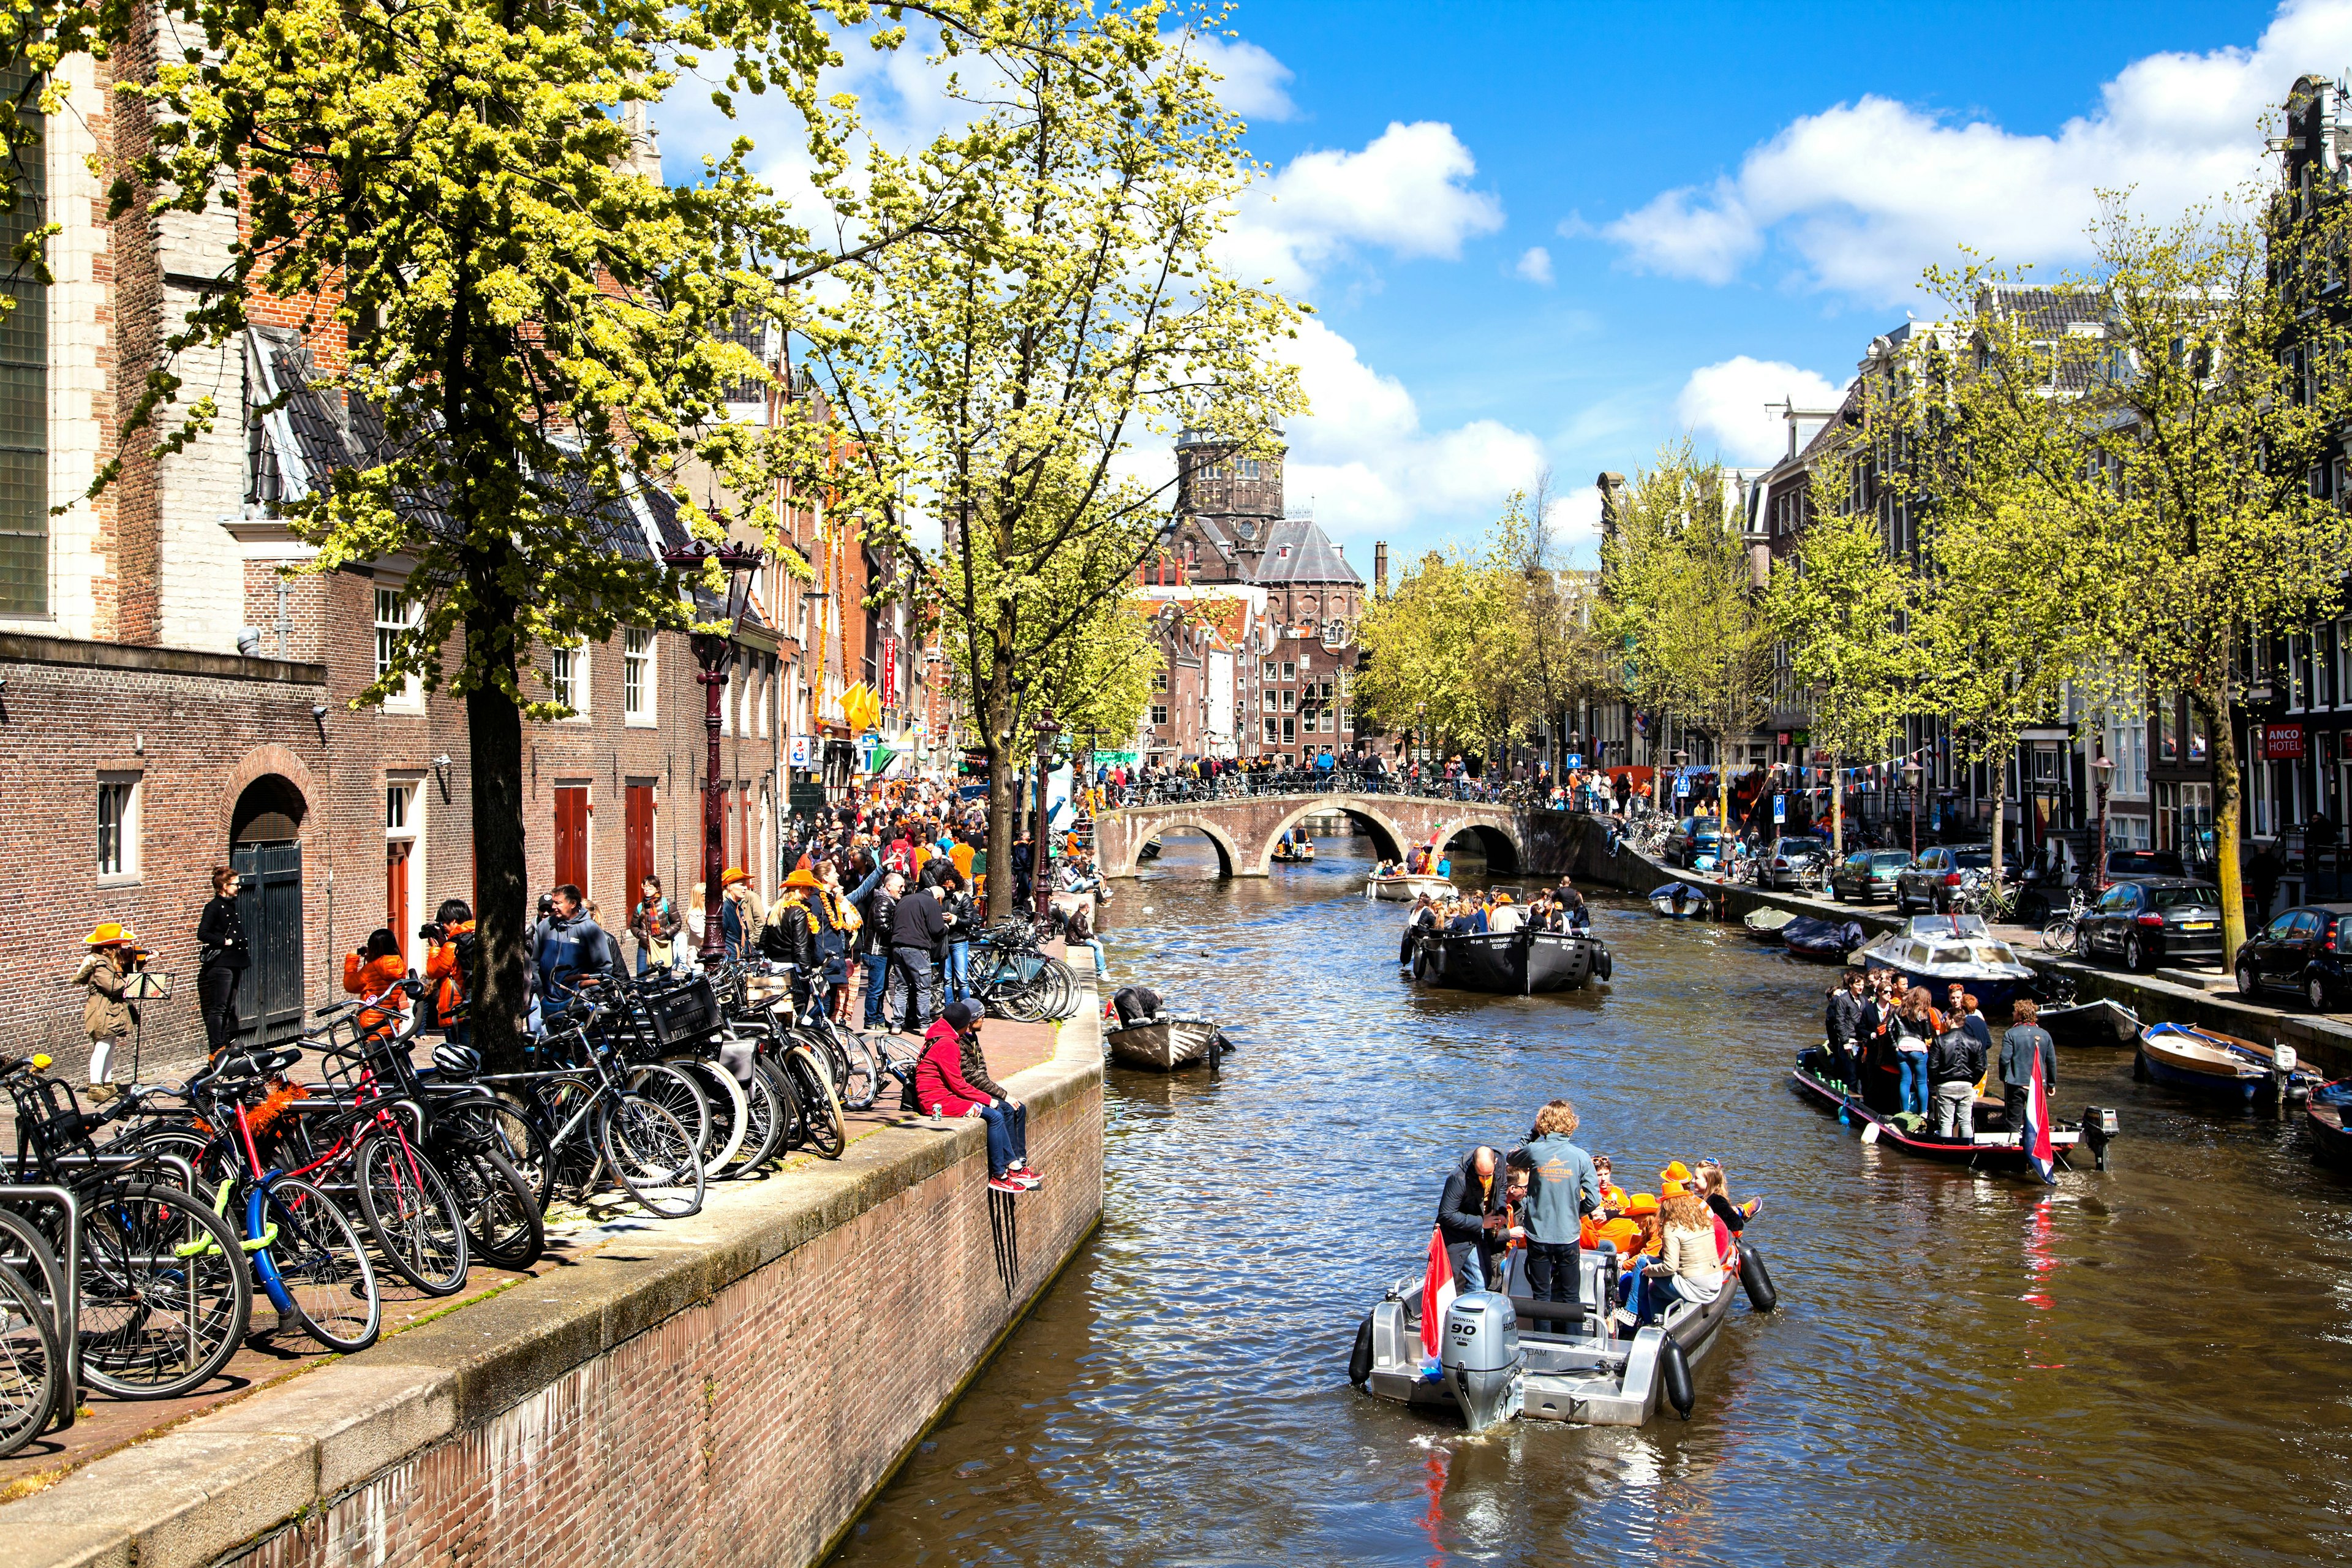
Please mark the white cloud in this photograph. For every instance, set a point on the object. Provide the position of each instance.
(1369, 469)
(1723, 406)
(1866, 194)
(1572, 527)
(1535, 264)
(1252, 86)
(1407, 192)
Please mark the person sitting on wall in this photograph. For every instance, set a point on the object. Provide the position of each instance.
(941, 1088)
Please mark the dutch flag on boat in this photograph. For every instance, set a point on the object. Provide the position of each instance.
(1436, 1294)
(2035, 1136)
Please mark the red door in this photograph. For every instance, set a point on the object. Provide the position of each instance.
(640, 850)
(571, 835)
(395, 891)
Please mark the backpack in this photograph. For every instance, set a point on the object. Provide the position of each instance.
(469, 946)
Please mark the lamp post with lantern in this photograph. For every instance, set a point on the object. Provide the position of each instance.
(1912, 772)
(1041, 857)
(2102, 773)
(714, 652)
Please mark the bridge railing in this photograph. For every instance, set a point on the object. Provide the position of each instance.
(1165, 790)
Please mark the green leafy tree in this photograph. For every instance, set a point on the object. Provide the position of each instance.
(1425, 673)
(997, 369)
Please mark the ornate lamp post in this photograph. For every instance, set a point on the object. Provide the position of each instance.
(1911, 771)
(2103, 771)
(714, 652)
(1041, 859)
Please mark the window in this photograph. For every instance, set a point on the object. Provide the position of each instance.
(396, 807)
(1272, 730)
(2168, 728)
(1159, 714)
(1326, 722)
(1289, 730)
(2196, 736)
(1270, 668)
(564, 685)
(637, 677)
(1289, 699)
(24, 394)
(1288, 671)
(1160, 679)
(396, 613)
(118, 826)
(767, 693)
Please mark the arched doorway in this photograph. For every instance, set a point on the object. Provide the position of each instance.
(266, 851)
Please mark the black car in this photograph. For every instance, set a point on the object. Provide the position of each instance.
(2144, 863)
(1933, 883)
(1867, 875)
(1780, 866)
(2150, 921)
(2304, 950)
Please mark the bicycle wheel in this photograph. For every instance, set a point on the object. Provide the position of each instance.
(32, 1363)
(23, 1248)
(412, 1216)
(791, 1122)
(2058, 936)
(1022, 1001)
(505, 1127)
(724, 1096)
(502, 1223)
(166, 1297)
(323, 1270)
(857, 1075)
(820, 1108)
(677, 1094)
(763, 1125)
(653, 1154)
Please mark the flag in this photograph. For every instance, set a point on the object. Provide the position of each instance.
(2034, 1137)
(1436, 1294)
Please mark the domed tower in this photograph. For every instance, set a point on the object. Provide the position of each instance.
(1227, 504)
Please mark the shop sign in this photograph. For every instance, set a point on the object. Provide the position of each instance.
(2282, 742)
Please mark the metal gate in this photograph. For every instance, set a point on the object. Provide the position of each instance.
(269, 905)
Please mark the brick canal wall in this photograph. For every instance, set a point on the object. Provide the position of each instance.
(725, 1390)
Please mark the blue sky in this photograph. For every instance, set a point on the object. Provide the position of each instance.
(1562, 234)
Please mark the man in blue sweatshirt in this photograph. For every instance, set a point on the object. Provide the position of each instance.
(1563, 1182)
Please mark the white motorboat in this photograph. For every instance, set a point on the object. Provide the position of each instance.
(1404, 888)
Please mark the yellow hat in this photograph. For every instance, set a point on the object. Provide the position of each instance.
(1502, 898)
(1641, 1204)
(1673, 1189)
(1675, 1171)
(802, 877)
(112, 933)
(732, 875)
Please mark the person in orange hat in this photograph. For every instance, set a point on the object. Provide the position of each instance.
(108, 1014)
(740, 914)
(789, 934)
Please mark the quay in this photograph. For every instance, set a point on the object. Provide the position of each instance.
(730, 1389)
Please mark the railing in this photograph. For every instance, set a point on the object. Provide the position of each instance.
(1160, 790)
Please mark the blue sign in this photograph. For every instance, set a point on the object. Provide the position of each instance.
(1575, 759)
(1779, 808)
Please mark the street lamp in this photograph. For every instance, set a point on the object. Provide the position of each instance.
(714, 651)
(2102, 773)
(1911, 771)
(1041, 859)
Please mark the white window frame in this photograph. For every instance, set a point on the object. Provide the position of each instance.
(131, 798)
(638, 662)
(405, 612)
(567, 681)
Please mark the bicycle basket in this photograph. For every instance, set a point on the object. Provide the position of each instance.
(683, 1015)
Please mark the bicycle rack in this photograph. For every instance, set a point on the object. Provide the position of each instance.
(68, 1309)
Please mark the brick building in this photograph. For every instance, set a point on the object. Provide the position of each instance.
(171, 700)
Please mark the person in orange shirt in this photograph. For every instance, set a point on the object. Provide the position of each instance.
(1623, 1232)
(446, 965)
(373, 970)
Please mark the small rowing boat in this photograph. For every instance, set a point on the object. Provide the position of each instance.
(2324, 1120)
(1150, 850)
(1767, 925)
(1165, 1043)
(1301, 851)
(2100, 1023)
(1994, 1150)
(2206, 1061)
(1679, 902)
(1405, 888)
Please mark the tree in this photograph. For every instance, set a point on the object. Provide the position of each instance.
(1423, 638)
(999, 368)
(1842, 611)
(1678, 592)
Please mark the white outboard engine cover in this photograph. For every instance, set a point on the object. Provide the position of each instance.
(1479, 1358)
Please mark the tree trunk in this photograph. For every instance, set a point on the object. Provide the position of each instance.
(501, 891)
(992, 725)
(2227, 807)
(1997, 770)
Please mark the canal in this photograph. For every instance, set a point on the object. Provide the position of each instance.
(2143, 1366)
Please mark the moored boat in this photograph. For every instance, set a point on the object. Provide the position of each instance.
(1767, 925)
(1165, 1043)
(1406, 887)
(1984, 1149)
(2324, 1120)
(2206, 1061)
(1679, 902)
(2101, 1023)
(1822, 941)
(1511, 963)
(1941, 951)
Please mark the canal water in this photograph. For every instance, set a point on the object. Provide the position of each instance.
(2143, 1366)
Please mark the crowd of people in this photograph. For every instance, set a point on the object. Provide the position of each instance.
(1556, 908)
(1902, 1055)
(1520, 1222)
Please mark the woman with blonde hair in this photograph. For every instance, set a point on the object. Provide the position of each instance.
(1687, 1268)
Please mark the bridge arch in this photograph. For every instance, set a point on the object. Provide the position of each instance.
(1496, 840)
(1230, 857)
(1388, 840)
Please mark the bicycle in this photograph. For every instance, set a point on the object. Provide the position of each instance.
(2058, 934)
(591, 1123)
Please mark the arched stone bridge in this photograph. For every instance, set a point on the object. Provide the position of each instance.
(1245, 828)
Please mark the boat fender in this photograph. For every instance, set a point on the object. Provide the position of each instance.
(1604, 964)
(1359, 1360)
(1757, 1280)
(1674, 1376)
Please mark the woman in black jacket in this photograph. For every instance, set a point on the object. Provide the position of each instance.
(222, 957)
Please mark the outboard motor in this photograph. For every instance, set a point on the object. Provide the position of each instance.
(1480, 1360)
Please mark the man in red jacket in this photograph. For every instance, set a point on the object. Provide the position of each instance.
(942, 1087)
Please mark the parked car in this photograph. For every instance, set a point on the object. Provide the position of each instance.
(2148, 921)
(1695, 840)
(1867, 875)
(1778, 866)
(2144, 863)
(2304, 950)
(1933, 882)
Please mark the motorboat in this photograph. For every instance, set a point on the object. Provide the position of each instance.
(1680, 902)
(2207, 1061)
(1983, 1150)
(1302, 850)
(1822, 941)
(1149, 849)
(1766, 925)
(2322, 1118)
(2100, 1023)
(1165, 1042)
(1495, 1364)
(1401, 886)
(1511, 963)
(1939, 951)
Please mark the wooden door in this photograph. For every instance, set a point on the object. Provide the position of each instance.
(571, 835)
(269, 907)
(639, 851)
(395, 890)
